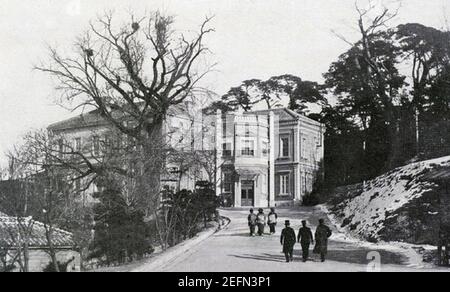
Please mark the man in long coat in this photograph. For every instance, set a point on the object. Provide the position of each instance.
(323, 232)
(252, 218)
(305, 238)
(288, 241)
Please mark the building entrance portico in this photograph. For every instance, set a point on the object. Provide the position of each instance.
(248, 193)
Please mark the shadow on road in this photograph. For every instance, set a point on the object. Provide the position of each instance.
(263, 257)
(245, 234)
(352, 256)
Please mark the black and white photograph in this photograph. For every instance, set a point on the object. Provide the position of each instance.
(224, 141)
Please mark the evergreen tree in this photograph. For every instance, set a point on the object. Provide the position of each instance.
(278, 91)
(367, 90)
(120, 231)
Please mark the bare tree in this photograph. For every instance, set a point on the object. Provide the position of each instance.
(46, 173)
(132, 75)
(15, 198)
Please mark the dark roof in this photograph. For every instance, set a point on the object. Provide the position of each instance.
(93, 118)
(9, 226)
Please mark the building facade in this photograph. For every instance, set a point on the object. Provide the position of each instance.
(91, 135)
(267, 158)
(261, 158)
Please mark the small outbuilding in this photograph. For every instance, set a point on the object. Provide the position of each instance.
(18, 234)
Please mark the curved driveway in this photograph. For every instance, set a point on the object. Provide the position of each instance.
(232, 250)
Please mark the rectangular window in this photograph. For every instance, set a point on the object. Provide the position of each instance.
(96, 145)
(303, 146)
(309, 183)
(77, 146)
(226, 148)
(61, 148)
(303, 183)
(265, 148)
(224, 128)
(248, 148)
(284, 147)
(247, 130)
(227, 182)
(284, 184)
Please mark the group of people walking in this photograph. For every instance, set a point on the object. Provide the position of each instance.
(259, 221)
(288, 237)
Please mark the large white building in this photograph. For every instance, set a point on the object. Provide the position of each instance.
(261, 158)
(267, 158)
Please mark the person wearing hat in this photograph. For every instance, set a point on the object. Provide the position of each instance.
(288, 241)
(305, 238)
(261, 221)
(323, 232)
(252, 218)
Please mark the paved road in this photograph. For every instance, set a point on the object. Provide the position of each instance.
(233, 250)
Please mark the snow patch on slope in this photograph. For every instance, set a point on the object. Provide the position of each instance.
(365, 215)
(410, 251)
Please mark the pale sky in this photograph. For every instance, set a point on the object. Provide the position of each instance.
(253, 39)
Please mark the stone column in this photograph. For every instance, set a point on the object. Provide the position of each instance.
(218, 148)
(272, 142)
(297, 180)
(237, 193)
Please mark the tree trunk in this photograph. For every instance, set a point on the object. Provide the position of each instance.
(26, 257)
(155, 156)
(49, 236)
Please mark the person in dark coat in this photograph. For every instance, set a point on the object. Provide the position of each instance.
(288, 241)
(272, 220)
(323, 232)
(252, 218)
(261, 222)
(305, 238)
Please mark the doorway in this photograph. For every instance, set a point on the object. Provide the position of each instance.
(248, 193)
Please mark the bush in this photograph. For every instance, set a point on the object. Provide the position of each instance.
(317, 195)
(311, 199)
(183, 214)
(50, 268)
(121, 234)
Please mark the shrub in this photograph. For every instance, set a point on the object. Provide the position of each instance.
(311, 199)
(120, 231)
